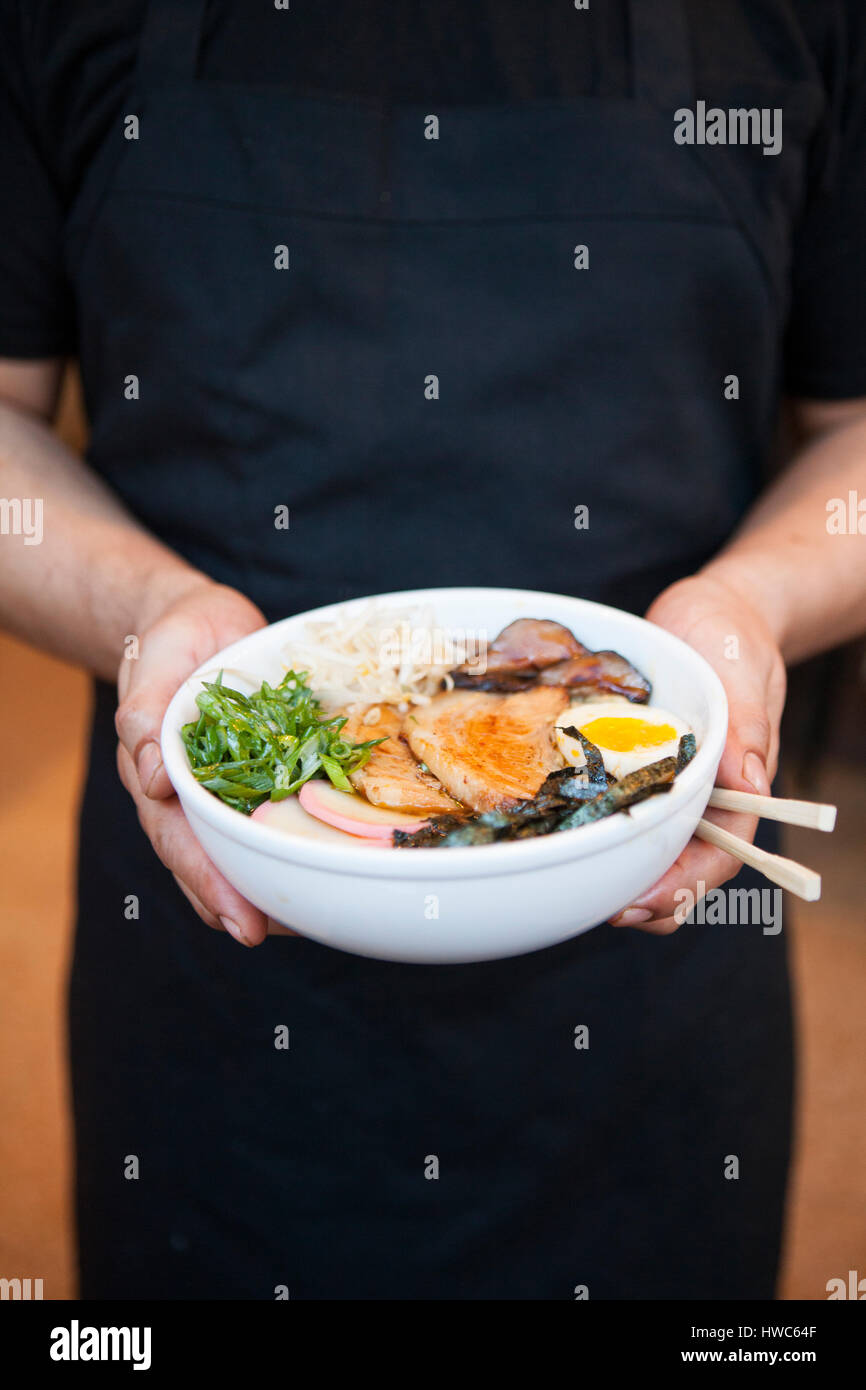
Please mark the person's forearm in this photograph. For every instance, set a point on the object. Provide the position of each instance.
(790, 557)
(89, 575)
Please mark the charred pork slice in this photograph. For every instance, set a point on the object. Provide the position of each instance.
(392, 778)
(524, 647)
(599, 671)
(538, 651)
(489, 751)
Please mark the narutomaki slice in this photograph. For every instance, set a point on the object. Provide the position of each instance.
(353, 814)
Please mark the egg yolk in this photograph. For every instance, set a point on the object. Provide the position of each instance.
(627, 735)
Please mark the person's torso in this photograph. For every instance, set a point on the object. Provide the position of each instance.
(526, 339)
(373, 309)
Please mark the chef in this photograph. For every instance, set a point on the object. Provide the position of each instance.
(246, 225)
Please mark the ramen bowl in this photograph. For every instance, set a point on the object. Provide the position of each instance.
(468, 903)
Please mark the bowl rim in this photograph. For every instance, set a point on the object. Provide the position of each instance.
(459, 861)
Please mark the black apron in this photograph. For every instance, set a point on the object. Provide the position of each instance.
(309, 387)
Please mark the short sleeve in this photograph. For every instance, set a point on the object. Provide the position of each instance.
(36, 304)
(825, 355)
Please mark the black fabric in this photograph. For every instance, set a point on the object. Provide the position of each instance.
(65, 70)
(410, 258)
(305, 387)
(559, 1167)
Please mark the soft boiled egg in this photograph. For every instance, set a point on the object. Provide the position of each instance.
(627, 736)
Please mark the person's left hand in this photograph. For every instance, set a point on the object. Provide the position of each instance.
(736, 640)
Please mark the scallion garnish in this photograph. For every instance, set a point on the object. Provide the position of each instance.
(248, 749)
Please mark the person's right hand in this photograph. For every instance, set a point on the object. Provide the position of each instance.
(184, 633)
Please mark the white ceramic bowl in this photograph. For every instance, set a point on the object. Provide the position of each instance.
(470, 903)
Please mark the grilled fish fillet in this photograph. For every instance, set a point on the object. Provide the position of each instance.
(488, 751)
(392, 777)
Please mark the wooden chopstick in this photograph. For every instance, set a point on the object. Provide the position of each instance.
(786, 872)
(813, 814)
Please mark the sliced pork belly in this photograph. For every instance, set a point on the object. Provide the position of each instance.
(488, 751)
(392, 777)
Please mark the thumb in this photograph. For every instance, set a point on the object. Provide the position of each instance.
(200, 624)
(747, 751)
(167, 655)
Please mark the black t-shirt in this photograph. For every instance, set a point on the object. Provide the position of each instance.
(65, 68)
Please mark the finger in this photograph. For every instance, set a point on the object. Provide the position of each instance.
(169, 832)
(746, 755)
(756, 698)
(662, 927)
(166, 656)
(277, 929)
(698, 869)
(168, 652)
(207, 917)
(751, 744)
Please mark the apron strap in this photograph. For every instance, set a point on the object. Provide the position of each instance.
(661, 54)
(171, 39)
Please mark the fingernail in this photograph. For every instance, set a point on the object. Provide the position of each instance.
(234, 930)
(148, 765)
(631, 917)
(755, 774)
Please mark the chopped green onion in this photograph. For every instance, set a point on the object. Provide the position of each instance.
(247, 749)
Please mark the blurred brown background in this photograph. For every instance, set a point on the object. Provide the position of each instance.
(826, 758)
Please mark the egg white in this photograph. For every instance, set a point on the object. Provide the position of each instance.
(618, 762)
